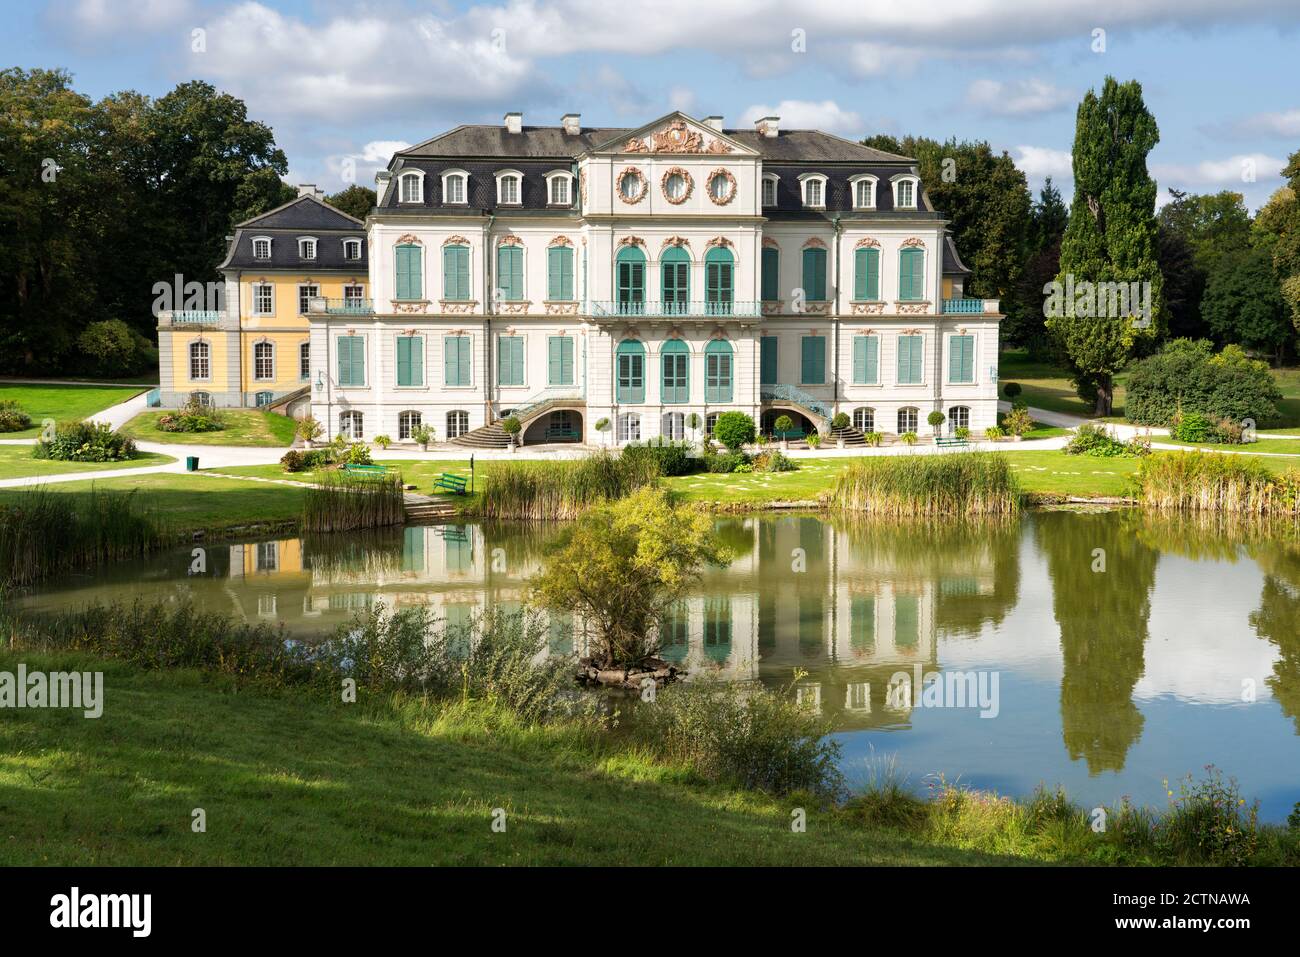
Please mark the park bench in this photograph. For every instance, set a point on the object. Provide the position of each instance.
(790, 434)
(455, 484)
(367, 469)
(560, 432)
(943, 440)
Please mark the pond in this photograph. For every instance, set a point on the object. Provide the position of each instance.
(1102, 651)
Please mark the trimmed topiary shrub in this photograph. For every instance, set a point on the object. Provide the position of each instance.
(734, 430)
(1011, 390)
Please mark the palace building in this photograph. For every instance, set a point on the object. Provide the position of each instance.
(614, 285)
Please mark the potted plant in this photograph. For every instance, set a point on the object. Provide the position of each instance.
(873, 438)
(962, 432)
(838, 425)
(383, 441)
(814, 440)
(423, 434)
(936, 419)
(783, 425)
(309, 430)
(513, 426)
(993, 433)
(602, 425)
(908, 438)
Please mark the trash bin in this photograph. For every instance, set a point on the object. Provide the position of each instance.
(191, 463)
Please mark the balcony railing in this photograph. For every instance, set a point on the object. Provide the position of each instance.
(192, 316)
(969, 307)
(788, 393)
(651, 309)
(340, 307)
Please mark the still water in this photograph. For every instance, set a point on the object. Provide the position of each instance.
(1114, 650)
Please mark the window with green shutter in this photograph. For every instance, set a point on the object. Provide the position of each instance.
(771, 275)
(675, 360)
(559, 273)
(719, 276)
(767, 363)
(675, 280)
(866, 360)
(456, 360)
(814, 275)
(410, 272)
(718, 366)
(911, 351)
(961, 359)
(510, 360)
(911, 274)
(813, 369)
(559, 360)
(410, 360)
(866, 274)
(629, 269)
(630, 370)
(510, 272)
(455, 272)
(352, 360)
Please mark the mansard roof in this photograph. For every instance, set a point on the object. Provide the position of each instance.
(304, 212)
(951, 261)
(303, 216)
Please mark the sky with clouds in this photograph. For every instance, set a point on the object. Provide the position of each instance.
(345, 83)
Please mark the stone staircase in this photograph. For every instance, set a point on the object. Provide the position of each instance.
(853, 439)
(428, 510)
(491, 436)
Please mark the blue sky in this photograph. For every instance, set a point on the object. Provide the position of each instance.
(344, 83)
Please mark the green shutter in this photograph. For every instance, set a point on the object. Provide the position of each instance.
(403, 360)
(866, 274)
(814, 360)
(510, 272)
(961, 359)
(559, 360)
(455, 352)
(559, 273)
(911, 274)
(771, 270)
(910, 353)
(409, 279)
(510, 360)
(866, 360)
(345, 360)
(768, 367)
(455, 272)
(814, 274)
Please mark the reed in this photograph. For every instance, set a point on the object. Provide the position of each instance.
(343, 502)
(1216, 482)
(44, 533)
(562, 490)
(969, 483)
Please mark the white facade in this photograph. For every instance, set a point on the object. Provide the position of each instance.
(695, 196)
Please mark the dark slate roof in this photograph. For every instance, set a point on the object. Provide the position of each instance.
(951, 261)
(304, 216)
(482, 187)
(839, 192)
(813, 146)
(305, 212)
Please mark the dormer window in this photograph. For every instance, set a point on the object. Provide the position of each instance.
(306, 248)
(864, 191)
(906, 190)
(559, 189)
(769, 189)
(453, 186)
(410, 187)
(814, 190)
(351, 249)
(262, 247)
(508, 188)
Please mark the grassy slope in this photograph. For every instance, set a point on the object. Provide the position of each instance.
(16, 462)
(61, 402)
(286, 779)
(246, 427)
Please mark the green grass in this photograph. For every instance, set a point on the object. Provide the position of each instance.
(16, 462)
(245, 427)
(419, 473)
(1049, 387)
(60, 402)
(290, 779)
(1276, 446)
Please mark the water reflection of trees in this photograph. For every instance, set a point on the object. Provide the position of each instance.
(1103, 619)
(1278, 620)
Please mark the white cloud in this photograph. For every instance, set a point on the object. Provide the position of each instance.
(1240, 171)
(360, 167)
(1038, 162)
(1017, 97)
(808, 114)
(95, 18)
(682, 98)
(1284, 123)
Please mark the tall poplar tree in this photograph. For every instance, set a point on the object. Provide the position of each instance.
(1111, 237)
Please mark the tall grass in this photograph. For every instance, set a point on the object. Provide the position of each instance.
(343, 502)
(1216, 482)
(44, 533)
(562, 490)
(970, 483)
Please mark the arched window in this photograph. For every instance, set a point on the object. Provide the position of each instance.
(304, 361)
(719, 280)
(958, 418)
(864, 191)
(864, 420)
(407, 422)
(675, 281)
(630, 366)
(718, 371)
(814, 190)
(558, 192)
(457, 423)
(629, 277)
(907, 420)
(710, 421)
(509, 188)
(350, 424)
(307, 247)
(203, 399)
(675, 360)
(629, 427)
(262, 247)
(769, 189)
(351, 249)
(453, 187)
(263, 361)
(411, 187)
(200, 360)
(674, 426)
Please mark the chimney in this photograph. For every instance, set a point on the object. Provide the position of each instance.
(572, 123)
(768, 125)
(382, 176)
(309, 189)
(514, 122)
(714, 123)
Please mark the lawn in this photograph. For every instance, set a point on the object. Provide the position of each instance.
(16, 462)
(1276, 446)
(60, 402)
(246, 427)
(419, 473)
(291, 779)
(1047, 386)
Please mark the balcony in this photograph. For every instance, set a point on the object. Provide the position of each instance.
(970, 307)
(191, 318)
(651, 309)
(320, 306)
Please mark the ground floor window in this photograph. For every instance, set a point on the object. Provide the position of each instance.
(350, 424)
(710, 421)
(200, 363)
(457, 423)
(304, 361)
(907, 420)
(263, 398)
(203, 399)
(263, 361)
(629, 427)
(674, 426)
(864, 420)
(958, 417)
(407, 422)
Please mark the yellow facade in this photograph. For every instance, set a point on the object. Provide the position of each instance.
(219, 378)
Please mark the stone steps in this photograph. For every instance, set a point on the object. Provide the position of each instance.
(484, 437)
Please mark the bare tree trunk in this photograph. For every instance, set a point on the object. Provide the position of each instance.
(1105, 396)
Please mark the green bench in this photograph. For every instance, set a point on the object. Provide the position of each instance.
(367, 469)
(792, 435)
(560, 432)
(455, 484)
(943, 440)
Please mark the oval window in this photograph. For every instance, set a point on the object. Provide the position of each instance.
(719, 188)
(675, 186)
(631, 186)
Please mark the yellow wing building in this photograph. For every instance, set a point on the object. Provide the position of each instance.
(301, 258)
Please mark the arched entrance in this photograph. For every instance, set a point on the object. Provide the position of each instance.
(557, 425)
(803, 425)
